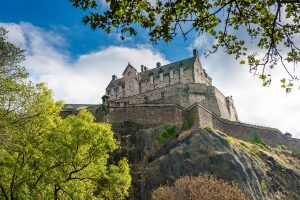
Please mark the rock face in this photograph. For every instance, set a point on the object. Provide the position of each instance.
(261, 172)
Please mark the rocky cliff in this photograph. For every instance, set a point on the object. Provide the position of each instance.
(163, 154)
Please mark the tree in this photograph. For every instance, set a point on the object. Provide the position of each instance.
(43, 156)
(199, 188)
(272, 27)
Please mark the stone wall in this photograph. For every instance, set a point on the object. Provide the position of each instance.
(270, 136)
(147, 115)
(155, 114)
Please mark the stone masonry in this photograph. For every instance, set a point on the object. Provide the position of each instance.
(169, 95)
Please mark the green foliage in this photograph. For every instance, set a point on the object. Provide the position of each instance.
(229, 139)
(188, 124)
(280, 145)
(166, 134)
(43, 156)
(264, 187)
(223, 21)
(296, 152)
(209, 129)
(256, 139)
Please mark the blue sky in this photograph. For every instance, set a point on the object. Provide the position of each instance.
(60, 16)
(77, 63)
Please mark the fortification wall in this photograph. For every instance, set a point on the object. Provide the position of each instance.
(147, 115)
(270, 136)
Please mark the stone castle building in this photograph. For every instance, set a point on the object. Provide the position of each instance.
(170, 95)
(183, 83)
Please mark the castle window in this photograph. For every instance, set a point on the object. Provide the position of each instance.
(129, 73)
(171, 74)
(151, 80)
(112, 91)
(181, 71)
(161, 77)
(130, 86)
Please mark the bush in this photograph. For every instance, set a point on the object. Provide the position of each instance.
(166, 134)
(199, 188)
(188, 124)
(296, 152)
(229, 139)
(264, 186)
(256, 139)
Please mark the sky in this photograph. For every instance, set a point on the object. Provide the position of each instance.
(78, 63)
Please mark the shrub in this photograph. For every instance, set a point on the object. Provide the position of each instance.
(188, 124)
(229, 139)
(202, 187)
(166, 134)
(256, 139)
(296, 152)
(264, 187)
(280, 145)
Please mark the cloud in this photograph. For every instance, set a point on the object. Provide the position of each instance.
(269, 106)
(80, 81)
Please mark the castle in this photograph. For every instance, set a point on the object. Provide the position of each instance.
(183, 83)
(170, 95)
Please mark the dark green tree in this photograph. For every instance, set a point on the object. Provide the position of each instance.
(272, 26)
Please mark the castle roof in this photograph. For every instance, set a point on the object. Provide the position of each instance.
(115, 83)
(165, 69)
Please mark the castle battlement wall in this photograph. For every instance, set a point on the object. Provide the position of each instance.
(150, 115)
(147, 115)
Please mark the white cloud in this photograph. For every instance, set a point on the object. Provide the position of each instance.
(85, 79)
(268, 106)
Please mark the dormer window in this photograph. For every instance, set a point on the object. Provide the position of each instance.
(112, 91)
(151, 80)
(181, 71)
(171, 74)
(161, 77)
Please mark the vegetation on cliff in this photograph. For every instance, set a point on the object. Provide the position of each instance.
(259, 171)
(202, 187)
(43, 156)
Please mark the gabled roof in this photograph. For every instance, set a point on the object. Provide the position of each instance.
(129, 66)
(165, 69)
(115, 83)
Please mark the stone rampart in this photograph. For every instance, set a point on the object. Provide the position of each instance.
(156, 114)
(270, 136)
(147, 115)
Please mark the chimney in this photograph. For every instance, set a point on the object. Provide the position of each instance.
(142, 68)
(145, 68)
(195, 52)
(114, 77)
(158, 65)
